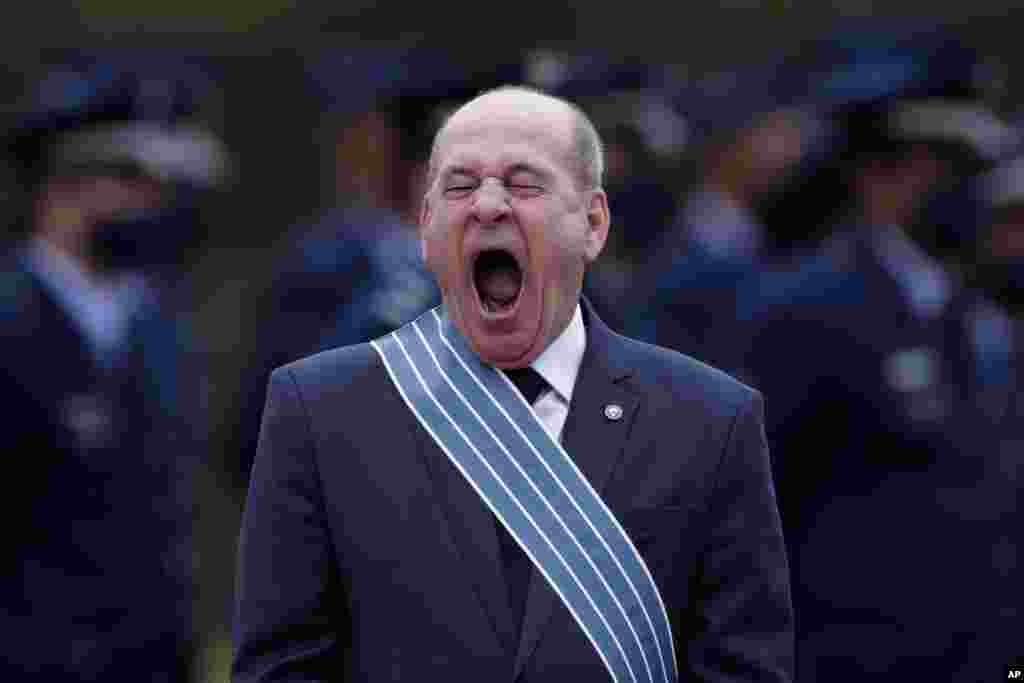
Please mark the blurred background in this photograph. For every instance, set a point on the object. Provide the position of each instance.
(826, 201)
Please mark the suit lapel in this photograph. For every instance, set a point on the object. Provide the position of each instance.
(594, 442)
(475, 536)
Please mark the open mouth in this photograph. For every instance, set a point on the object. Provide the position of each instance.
(498, 279)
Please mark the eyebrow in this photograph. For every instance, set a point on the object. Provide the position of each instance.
(529, 170)
(521, 167)
(457, 170)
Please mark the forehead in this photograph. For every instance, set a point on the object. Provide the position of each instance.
(489, 134)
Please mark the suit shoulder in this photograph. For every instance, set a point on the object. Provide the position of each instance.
(334, 369)
(17, 285)
(819, 282)
(686, 378)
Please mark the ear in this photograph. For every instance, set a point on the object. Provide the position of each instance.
(598, 223)
(426, 213)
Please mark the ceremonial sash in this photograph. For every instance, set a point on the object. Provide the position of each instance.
(493, 437)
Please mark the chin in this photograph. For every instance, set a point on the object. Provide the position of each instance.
(503, 347)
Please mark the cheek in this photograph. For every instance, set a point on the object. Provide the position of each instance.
(563, 258)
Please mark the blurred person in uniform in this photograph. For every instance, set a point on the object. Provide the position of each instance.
(996, 268)
(993, 431)
(98, 399)
(864, 350)
(357, 272)
(749, 130)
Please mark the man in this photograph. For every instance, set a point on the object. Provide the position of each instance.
(99, 584)
(402, 489)
(866, 353)
(994, 428)
(753, 128)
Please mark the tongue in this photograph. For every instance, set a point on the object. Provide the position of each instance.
(500, 285)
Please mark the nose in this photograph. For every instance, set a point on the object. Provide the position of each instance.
(490, 203)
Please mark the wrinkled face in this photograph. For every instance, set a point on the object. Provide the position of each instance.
(506, 227)
(72, 206)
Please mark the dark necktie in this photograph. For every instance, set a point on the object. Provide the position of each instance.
(529, 382)
(517, 564)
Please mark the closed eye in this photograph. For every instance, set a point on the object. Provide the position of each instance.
(458, 190)
(523, 189)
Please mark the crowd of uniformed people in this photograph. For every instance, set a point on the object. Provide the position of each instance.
(841, 227)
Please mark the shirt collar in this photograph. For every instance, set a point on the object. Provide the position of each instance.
(927, 285)
(100, 309)
(725, 228)
(559, 363)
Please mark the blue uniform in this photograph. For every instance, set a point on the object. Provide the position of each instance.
(98, 518)
(355, 275)
(894, 519)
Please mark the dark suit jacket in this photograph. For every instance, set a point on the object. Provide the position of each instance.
(365, 556)
(96, 519)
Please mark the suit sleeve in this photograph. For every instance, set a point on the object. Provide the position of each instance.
(289, 603)
(741, 593)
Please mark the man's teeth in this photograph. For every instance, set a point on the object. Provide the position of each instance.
(493, 305)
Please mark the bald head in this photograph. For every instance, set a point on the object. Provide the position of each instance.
(584, 150)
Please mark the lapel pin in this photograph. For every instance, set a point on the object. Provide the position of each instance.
(613, 411)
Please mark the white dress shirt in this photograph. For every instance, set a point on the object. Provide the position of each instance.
(559, 364)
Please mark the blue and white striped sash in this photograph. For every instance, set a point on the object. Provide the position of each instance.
(481, 422)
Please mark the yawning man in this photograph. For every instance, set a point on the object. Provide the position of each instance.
(504, 489)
